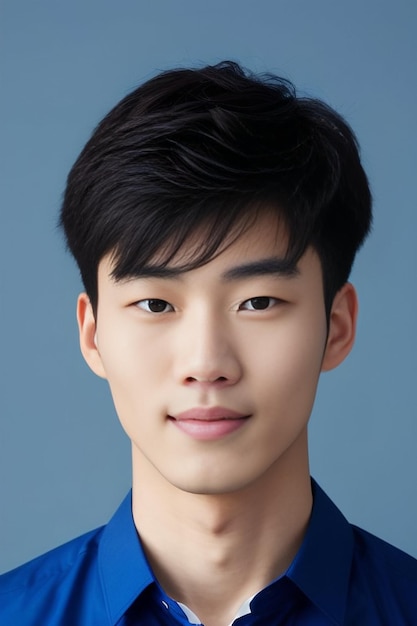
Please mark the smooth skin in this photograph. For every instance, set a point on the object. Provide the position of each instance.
(221, 517)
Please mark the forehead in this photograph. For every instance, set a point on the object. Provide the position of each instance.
(256, 256)
(263, 234)
(265, 230)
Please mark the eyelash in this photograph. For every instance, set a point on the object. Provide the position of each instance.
(268, 300)
(147, 303)
(163, 304)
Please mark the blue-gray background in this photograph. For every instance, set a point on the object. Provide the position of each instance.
(64, 460)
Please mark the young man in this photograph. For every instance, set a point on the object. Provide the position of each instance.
(215, 217)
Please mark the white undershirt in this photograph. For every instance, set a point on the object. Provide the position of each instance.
(193, 619)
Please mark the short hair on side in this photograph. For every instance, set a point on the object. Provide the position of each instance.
(208, 148)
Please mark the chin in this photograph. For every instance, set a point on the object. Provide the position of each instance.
(214, 486)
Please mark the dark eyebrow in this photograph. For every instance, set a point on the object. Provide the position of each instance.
(278, 266)
(153, 271)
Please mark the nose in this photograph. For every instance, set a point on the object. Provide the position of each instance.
(207, 352)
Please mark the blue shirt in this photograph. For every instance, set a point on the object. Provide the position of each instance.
(341, 576)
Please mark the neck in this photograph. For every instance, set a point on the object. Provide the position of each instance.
(212, 552)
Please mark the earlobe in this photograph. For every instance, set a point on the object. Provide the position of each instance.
(88, 335)
(342, 327)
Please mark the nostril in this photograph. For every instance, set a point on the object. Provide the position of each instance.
(194, 379)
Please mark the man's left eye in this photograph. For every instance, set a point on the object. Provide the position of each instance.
(155, 305)
(258, 304)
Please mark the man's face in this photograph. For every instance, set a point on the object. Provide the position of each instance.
(213, 371)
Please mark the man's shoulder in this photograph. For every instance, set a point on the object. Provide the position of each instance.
(385, 575)
(52, 564)
(377, 554)
(27, 590)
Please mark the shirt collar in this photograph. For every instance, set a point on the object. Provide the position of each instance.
(321, 568)
(124, 570)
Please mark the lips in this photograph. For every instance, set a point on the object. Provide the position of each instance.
(209, 423)
(208, 414)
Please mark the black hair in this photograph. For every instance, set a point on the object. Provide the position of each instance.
(208, 148)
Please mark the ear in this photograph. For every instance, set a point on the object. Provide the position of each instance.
(342, 327)
(87, 333)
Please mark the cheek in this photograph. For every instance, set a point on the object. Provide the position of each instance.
(129, 352)
(286, 361)
(134, 364)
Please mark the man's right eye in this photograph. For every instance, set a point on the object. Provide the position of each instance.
(154, 305)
